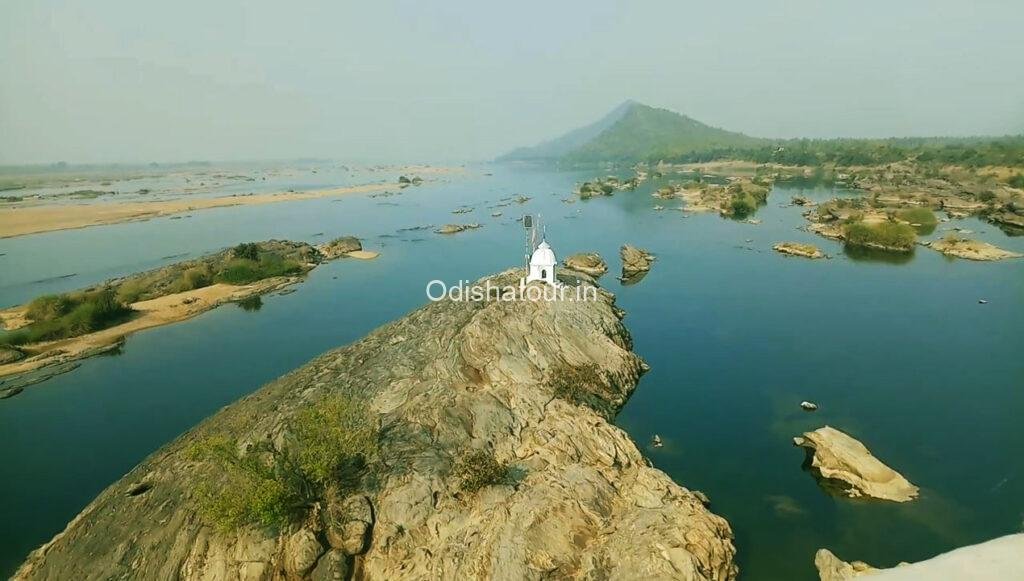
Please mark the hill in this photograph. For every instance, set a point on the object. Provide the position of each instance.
(634, 131)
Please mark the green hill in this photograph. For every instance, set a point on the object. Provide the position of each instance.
(633, 131)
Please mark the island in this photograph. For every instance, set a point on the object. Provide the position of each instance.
(442, 445)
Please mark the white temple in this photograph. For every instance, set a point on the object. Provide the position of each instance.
(542, 265)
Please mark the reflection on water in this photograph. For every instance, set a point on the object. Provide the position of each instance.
(251, 304)
(862, 254)
(736, 335)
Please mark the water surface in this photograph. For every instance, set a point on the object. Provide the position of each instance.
(900, 355)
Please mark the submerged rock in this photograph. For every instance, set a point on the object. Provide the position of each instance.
(579, 500)
(846, 464)
(456, 228)
(798, 249)
(588, 263)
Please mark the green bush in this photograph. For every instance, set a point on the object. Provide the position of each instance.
(479, 469)
(247, 250)
(193, 278)
(69, 315)
(252, 489)
(742, 205)
(334, 437)
(883, 235)
(241, 271)
(1016, 181)
(334, 440)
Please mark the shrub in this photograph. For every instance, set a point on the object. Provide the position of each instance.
(252, 490)
(333, 442)
(581, 385)
(479, 469)
(883, 235)
(69, 315)
(1016, 181)
(333, 437)
(247, 250)
(742, 205)
(245, 271)
(193, 278)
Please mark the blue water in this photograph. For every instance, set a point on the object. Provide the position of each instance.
(901, 356)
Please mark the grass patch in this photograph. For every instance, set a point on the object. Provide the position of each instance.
(883, 236)
(479, 469)
(241, 271)
(332, 444)
(69, 315)
(921, 216)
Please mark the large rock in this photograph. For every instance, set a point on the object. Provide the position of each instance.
(349, 524)
(450, 377)
(845, 464)
(970, 249)
(635, 261)
(301, 553)
(340, 247)
(10, 355)
(798, 249)
(832, 568)
(995, 560)
(589, 263)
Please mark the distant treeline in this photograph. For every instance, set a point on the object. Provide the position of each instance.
(970, 152)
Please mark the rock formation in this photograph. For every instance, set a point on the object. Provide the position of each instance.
(589, 263)
(340, 247)
(798, 249)
(456, 228)
(970, 249)
(635, 262)
(451, 379)
(994, 560)
(845, 464)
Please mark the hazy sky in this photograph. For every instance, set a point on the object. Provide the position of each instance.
(131, 80)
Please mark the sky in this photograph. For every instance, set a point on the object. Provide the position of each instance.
(412, 81)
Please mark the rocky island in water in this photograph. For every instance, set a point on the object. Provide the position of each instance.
(440, 446)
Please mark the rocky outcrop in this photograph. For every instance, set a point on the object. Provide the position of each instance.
(797, 249)
(832, 568)
(971, 249)
(995, 560)
(635, 262)
(456, 228)
(340, 247)
(581, 501)
(845, 465)
(589, 263)
(10, 355)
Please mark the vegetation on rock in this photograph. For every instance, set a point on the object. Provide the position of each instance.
(582, 385)
(69, 315)
(479, 469)
(332, 443)
(882, 235)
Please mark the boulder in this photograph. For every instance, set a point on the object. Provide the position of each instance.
(10, 355)
(832, 568)
(333, 566)
(588, 263)
(970, 249)
(798, 249)
(844, 463)
(340, 247)
(302, 550)
(349, 524)
(456, 228)
(635, 260)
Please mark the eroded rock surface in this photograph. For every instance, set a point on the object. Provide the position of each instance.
(448, 378)
(635, 261)
(832, 568)
(846, 465)
(589, 263)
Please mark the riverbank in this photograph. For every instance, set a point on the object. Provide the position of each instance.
(23, 219)
(170, 294)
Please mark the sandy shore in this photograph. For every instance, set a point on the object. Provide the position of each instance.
(152, 313)
(22, 220)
